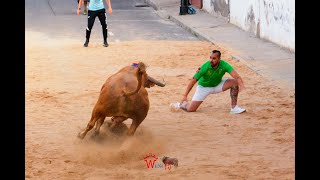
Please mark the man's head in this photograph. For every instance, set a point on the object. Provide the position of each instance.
(215, 58)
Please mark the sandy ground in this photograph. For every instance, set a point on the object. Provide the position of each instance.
(63, 80)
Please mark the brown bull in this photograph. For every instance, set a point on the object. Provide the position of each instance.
(123, 96)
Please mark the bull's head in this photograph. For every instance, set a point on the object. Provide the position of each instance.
(143, 79)
(151, 82)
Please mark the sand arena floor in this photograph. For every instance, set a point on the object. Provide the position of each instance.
(63, 80)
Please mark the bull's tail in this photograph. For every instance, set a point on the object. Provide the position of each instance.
(141, 70)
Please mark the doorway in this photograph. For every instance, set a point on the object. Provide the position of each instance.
(196, 3)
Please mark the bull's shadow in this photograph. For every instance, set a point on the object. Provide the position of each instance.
(108, 134)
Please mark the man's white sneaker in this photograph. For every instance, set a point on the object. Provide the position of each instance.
(237, 110)
(175, 106)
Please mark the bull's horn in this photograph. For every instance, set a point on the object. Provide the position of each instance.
(156, 82)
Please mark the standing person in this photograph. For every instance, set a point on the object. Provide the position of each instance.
(85, 6)
(209, 78)
(96, 8)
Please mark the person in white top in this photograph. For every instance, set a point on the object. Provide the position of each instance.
(96, 9)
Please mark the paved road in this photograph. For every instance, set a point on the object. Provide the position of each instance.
(128, 22)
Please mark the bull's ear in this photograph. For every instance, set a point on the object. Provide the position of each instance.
(102, 87)
(148, 84)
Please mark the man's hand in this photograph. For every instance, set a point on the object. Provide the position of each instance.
(240, 84)
(109, 10)
(241, 87)
(185, 98)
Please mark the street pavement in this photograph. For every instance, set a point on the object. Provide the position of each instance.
(265, 58)
(129, 21)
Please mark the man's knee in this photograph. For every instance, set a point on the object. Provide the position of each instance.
(229, 83)
(193, 106)
(188, 109)
(192, 110)
(234, 82)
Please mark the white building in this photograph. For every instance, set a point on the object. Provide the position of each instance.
(273, 20)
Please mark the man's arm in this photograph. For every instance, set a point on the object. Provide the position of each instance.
(236, 76)
(109, 6)
(189, 87)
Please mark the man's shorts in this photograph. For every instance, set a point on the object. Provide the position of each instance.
(202, 92)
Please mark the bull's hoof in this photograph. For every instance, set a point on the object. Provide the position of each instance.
(97, 137)
(80, 135)
(94, 134)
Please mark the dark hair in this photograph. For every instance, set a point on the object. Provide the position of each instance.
(217, 51)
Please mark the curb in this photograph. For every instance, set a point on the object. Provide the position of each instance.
(201, 36)
(249, 65)
(190, 29)
(154, 5)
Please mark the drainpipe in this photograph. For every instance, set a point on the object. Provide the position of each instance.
(184, 7)
(229, 11)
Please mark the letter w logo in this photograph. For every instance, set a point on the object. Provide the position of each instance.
(150, 163)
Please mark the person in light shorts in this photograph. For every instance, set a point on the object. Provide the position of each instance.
(209, 77)
(202, 92)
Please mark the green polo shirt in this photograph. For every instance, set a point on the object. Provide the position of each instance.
(208, 77)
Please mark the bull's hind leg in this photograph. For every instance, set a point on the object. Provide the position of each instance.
(90, 125)
(134, 126)
(98, 126)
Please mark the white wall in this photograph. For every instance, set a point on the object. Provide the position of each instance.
(206, 6)
(245, 14)
(273, 20)
(217, 7)
(277, 19)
